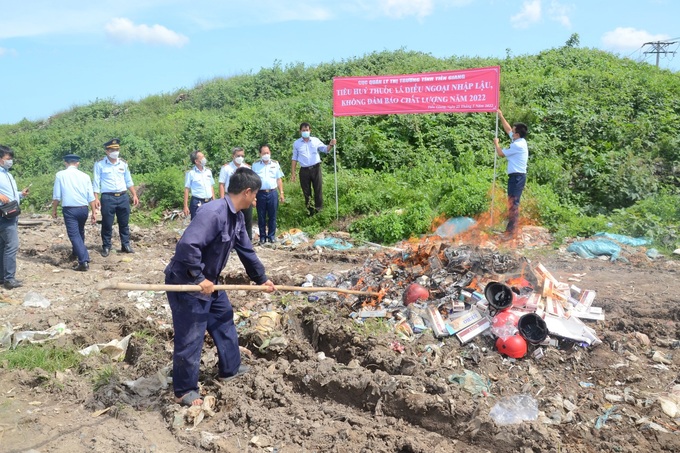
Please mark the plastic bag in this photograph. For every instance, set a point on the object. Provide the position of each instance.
(454, 226)
(511, 410)
(593, 248)
(333, 243)
(627, 240)
(471, 382)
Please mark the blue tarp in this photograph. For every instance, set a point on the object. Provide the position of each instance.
(593, 248)
(333, 243)
(626, 240)
(454, 226)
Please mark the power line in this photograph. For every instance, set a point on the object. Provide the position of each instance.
(660, 47)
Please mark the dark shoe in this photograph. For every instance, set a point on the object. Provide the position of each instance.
(82, 267)
(11, 284)
(106, 251)
(242, 369)
(127, 249)
(273, 240)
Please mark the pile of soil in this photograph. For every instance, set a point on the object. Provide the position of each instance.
(320, 381)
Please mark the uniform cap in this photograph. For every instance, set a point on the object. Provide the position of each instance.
(113, 143)
(72, 157)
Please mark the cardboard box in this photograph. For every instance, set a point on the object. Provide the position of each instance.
(586, 300)
(466, 319)
(439, 327)
(593, 314)
(543, 275)
(473, 330)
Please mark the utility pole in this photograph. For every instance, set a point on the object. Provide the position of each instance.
(659, 47)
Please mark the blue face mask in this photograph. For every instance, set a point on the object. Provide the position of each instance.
(305, 134)
(511, 134)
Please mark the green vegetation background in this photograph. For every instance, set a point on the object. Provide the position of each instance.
(604, 143)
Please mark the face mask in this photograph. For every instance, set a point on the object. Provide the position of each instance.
(238, 160)
(511, 134)
(114, 154)
(7, 164)
(204, 161)
(305, 134)
(266, 157)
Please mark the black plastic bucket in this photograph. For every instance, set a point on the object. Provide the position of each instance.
(533, 328)
(499, 295)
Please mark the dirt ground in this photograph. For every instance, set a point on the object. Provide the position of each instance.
(319, 380)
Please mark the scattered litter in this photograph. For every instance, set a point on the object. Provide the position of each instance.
(586, 384)
(627, 240)
(40, 336)
(472, 382)
(115, 349)
(37, 300)
(292, 238)
(602, 419)
(454, 226)
(512, 410)
(147, 386)
(6, 332)
(592, 248)
(333, 244)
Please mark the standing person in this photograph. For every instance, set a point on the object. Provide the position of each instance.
(112, 180)
(306, 151)
(517, 155)
(9, 232)
(199, 180)
(238, 157)
(73, 189)
(200, 255)
(269, 195)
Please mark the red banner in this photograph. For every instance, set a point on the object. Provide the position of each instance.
(468, 90)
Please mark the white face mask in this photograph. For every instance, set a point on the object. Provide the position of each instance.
(305, 134)
(238, 160)
(266, 157)
(204, 161)
(7, 164)
(114, 154)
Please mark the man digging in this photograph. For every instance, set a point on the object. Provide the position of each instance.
(200, 256)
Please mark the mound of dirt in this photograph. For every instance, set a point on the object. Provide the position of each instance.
(322, 381)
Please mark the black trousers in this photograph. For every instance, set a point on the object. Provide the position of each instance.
(248, 217)
(311, 178)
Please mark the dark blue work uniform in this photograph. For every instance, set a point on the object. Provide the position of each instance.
(201, 254)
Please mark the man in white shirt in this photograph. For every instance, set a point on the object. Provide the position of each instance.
(306, 151)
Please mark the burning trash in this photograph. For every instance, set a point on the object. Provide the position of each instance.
(465, 292)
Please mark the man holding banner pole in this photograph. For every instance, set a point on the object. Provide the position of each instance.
(306, 151)
(517, 155)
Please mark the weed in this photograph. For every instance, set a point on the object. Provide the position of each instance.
(104, 377)
(48, 358)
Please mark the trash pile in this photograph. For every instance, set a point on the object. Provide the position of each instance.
(465, 292)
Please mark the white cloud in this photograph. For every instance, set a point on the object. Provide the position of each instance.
(560, 13)
(124, 30)
(628, 38)
(397, 9)
(5, 52)
(530, 13)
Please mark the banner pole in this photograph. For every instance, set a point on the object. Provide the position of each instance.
(493, 186)
(335, 170)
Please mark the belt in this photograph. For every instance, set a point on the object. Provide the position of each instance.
(267, 190)
(115, 194)
(204, 200)
(313, 166)
(75, 207)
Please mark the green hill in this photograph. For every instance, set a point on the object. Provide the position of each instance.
(603, 138)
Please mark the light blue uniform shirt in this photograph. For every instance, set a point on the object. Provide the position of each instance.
(199, 182)
(110, 177)
(307, 152)
(517, 155)
(269, 173)
(73, 188)
(226, 171)
(8, 186)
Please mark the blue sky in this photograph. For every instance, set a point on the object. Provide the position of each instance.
(58, 54)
